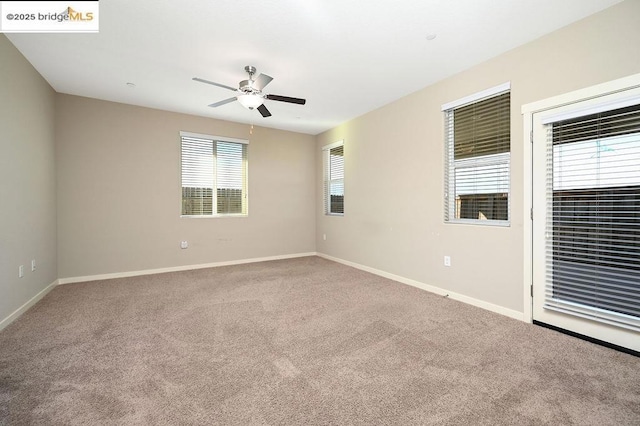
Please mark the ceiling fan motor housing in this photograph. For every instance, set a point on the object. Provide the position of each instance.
(246, 86)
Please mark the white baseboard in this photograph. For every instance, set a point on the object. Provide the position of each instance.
(432, 289)
(437, 290)
(22, 309)
(178, 268)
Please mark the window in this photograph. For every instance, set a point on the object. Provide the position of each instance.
(477, 157)
(333, 162)
(214, 175)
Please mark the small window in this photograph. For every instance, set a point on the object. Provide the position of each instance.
(214, 175)
(477, 157)
(333, 161)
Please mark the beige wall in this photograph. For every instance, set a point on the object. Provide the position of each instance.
(27, 180)
(118, 187)
(394, 164)
(119, 193)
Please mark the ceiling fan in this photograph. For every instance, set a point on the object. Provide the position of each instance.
(249, 92)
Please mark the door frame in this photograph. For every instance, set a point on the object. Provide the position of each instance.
(528, 110)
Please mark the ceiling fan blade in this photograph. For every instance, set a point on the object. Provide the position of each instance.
(264, 111)
(261, 81)
(226, 101)
(286, 99)
(202, 80)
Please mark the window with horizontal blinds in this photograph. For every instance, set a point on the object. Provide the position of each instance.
(594, 189)
(333, 164)
(214, 175)
(477, 160)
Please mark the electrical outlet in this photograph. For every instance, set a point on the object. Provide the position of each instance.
(447, 261)
(20, 271)
(324, 237)
(33, 265)
(184, 245)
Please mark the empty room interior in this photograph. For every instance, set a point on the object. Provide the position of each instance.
(321, 212)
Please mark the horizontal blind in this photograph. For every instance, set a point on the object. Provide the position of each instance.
(198, 170)
(482, 128)
(449, 168)
(231, 171)
(197, 163)
(593, 231)
(477, 159)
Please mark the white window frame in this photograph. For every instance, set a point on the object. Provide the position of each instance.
(326, 173)
(451, 165)
(245, 185)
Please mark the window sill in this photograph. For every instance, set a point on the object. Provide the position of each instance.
(213, 216)
(499, 223)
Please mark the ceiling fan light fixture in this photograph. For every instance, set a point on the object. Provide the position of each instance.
(250, 101)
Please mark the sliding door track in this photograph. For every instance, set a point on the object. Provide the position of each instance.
(588, 339)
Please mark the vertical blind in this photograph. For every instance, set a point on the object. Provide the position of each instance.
(593, 231)
(334, 179)
(214, 177)
(477, 159)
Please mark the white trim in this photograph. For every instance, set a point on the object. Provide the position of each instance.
(333, 145)
(597, 91)
(487, 93)
(72, 280)
(22, 309)
(213, 138)
(484, 160)
(214, 216)
(527, 227)
(432, 289)
(593, 109)
(487, 222)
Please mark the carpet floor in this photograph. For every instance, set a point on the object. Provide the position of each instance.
(301, 341)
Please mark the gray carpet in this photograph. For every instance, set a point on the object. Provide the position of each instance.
(292, 342)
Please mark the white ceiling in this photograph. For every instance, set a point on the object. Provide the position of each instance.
(345, 57)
